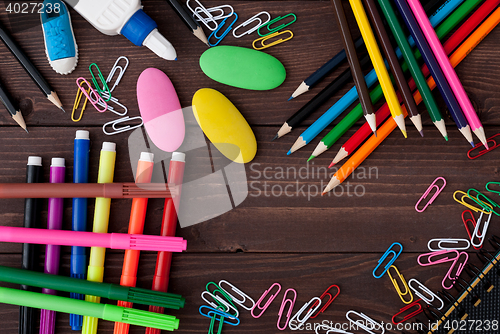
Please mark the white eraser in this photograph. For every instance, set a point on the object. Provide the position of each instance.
(146, 156)
(109, 146)
(57, 162)
(82, 134)
(34, 161)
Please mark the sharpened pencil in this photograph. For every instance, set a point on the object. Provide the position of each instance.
(188, 20)
(13, 111)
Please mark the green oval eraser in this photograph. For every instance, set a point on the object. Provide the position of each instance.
(242, 67)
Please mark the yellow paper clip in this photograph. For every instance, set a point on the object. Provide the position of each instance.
(467, 205)
(78, 97)
(396, 285)
(265, 38)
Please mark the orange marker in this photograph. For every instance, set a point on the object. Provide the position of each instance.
(136, 226)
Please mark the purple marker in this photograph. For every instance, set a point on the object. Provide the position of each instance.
(53, 252)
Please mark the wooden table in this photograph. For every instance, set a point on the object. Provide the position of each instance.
(301, 240)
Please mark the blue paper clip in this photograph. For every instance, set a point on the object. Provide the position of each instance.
(281, 26)
(214, 33)
(386, 254)
(225, 317)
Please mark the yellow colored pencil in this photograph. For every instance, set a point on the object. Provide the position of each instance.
(378, 64)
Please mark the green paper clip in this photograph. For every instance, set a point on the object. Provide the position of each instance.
(218, 289)
(484, 203)
(105, 87)
(493, 191)
(279, 18)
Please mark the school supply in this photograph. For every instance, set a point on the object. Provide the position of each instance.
(224, 64)
(480, 236)
(409, 314)
(76, 104)
(448, 70)
(14, 112)
(53, 252)
(105, 88)
(228, 29)
(123, 128)
(492, 143)
(255, 18)
(91, 239)
(352, 58)
(79, 214)
(223, 317)
(430, 296)
(268, 302)
(454, 243)
(128, 20)
(188, 20)
(466, 222)
(197, 13)
(117, 67)
(485, 202)
(370, 323)
(32, 207)
(241, 294)
(224, 125)
(143, 174)
(314, 304)
(291, 303)
(428, 191)
(106, 290)
(58, 36)
(388, 252)
(28, 66)
(328, 302)
(168, 226)
(104, 311)
(269, 30)
(437, 257)
(260, 41)
(455, 270)
(160, 109)
(394, 281)
(87, 91)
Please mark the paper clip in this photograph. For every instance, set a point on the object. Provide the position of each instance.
(472, 220)
(240, 293)
(264, 308)
(212, 324)
(427, 192)
(87, 95)
(78, 97)
(216, 9)
(488, 204)
(431, 294)
(113, 71)
(441, 241)
(490, 190)
(105, 87)
(265, 38)
(409, 315)
(254, 18)
(373, 323)
(221, 291)
(491, 143)
(330, 300)
(467, 205)
(221, 303)
(430, 257)
(214, 33)
(299, 321)
(205, 11)
(223, 316)
(281, 26)
(109, 107)
(113, 124)
(455, 270)
(290, 309)
(480, 236)
(396, 285)
(386, 254)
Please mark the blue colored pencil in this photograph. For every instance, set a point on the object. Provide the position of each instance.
(436, 71)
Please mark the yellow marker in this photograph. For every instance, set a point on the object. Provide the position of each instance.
(378, 64)
(101, 218)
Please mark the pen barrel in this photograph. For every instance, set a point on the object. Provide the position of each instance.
(53, 237)
(61, 190)
(147, 242)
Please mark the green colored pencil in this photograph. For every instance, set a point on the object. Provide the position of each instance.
(442, 30)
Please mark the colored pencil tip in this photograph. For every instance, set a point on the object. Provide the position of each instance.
(446, 138)
(291, 97)
(404, 133)
(421, 133)
(310, 158)
(62, 109)
(472, 143)
(331, 165)
(289, 152)
(486, 145)
(375, 133)
(26, 130)
(275, 137)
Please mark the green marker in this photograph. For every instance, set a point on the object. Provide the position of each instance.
(101, 311)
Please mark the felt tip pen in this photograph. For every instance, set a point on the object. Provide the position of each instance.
(53, 252)
(78, 264)
(32, 206)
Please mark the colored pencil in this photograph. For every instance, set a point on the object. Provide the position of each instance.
(188, 20)
(318, 100)
(357, 158)
(449, 72)
(352, 58)
(13, 111)
(442, 30)
(437, 73)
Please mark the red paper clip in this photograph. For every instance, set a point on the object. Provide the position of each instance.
(471, 220)
(410, 315)
(457, 266)
(491, 143)
(430, 257)
(325, 305)
(264, 308)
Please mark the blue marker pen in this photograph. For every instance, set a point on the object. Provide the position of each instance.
(79, 219)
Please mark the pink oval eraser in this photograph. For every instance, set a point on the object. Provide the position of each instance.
(160, 109)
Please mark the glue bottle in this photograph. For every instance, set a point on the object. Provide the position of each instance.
(119, 17)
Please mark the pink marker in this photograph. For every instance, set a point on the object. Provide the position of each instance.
(449, 72)
(160, 109)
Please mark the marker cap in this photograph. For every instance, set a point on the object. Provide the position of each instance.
(34, 161)
(57, 162)
(82, 134)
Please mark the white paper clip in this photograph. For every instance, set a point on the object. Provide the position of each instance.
(109, 107)
(368, 320)
(220, 9)
(431, 294)
(240, 293)
(228, 306)
(209, 16)
(476, 234)
(251, 20)
(300, 322)
(117, 130)
(113, 71)
(441, 241)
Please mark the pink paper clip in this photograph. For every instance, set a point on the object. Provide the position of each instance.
(492, 143)
(93, 101)
(471, 220)
(430, 257)
(282, 308)
(330, 300)
(264, 308)
(455, 270)
(427, 192)
(419, 309)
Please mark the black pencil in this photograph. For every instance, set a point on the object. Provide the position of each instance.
(34, 174)
(29, 67)
(16, 114)
(189, 21)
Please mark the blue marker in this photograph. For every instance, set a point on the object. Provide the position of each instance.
(79, 219)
